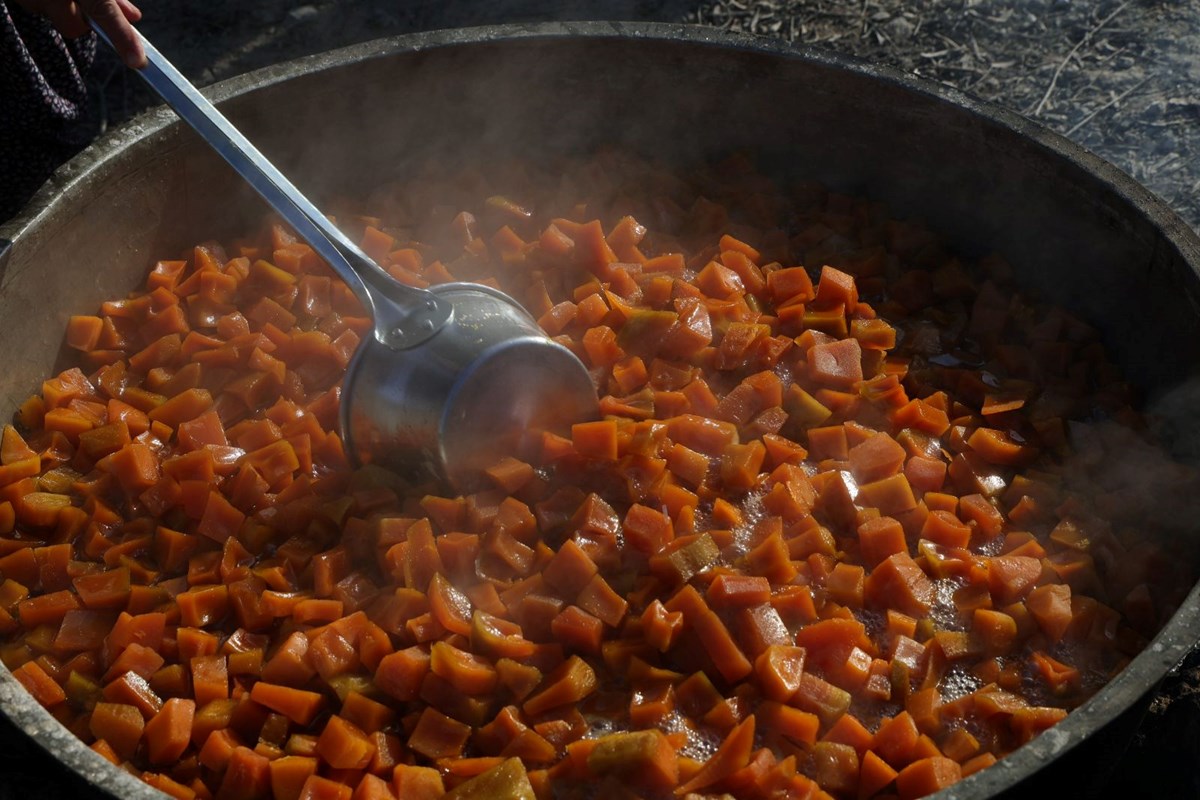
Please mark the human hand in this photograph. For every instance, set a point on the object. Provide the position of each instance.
(113, 16)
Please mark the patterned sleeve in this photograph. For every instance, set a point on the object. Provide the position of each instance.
(47, 115)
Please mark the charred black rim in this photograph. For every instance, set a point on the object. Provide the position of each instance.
(94, 165)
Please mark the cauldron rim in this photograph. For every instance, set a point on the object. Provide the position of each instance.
(90, 167)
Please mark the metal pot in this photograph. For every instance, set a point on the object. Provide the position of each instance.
(985, 178)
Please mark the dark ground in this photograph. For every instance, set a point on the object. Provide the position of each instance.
(1118, 77)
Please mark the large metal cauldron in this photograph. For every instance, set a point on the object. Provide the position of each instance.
(1077, 230)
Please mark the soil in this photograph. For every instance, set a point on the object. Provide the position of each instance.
(1118, 77)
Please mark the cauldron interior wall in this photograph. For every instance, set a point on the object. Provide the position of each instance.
(345, 129)
(1075, 230)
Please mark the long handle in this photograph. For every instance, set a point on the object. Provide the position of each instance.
(404, 316)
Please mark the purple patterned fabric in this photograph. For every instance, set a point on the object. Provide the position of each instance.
(46, 115)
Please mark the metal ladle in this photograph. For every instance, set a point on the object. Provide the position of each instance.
(453, 377)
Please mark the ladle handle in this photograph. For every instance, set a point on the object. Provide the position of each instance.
(404, 316)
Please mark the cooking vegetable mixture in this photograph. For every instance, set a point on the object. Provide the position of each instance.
(849, 525)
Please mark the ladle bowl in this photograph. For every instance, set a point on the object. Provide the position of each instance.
(482, 387)
(451, 379)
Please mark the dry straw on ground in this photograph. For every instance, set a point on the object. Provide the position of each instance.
(1118, 77)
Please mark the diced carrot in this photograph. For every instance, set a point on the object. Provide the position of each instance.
(643, 758)
(248, 775)
(771, 559)
(29, 467)
(313, 610)
(168, 786)
(105, 751)
(43, 687)
(981, 761)
(925, 474)
(874, 775)
(438, 736)
(778, 719)
(47, 608)
(732, 755)
(372, 787)
(759, 627)
(317, 788)
(1010, 578)
(449, 607)
(1029, 721)
(899, 583)
(892, 495)
(499, 637)
(289, 775)
(837, 364)
(132, 689)
(469, 673)
(221, 519)
(366, 713)
(203, 606)
(1061, 678)
(343, 745)
(646, 529)
(996, 629)
(577, 629)
(978, 509)
(739, 590)
(943, 527)
(169, 733)
(835, 766)
(728, 658)
(510, 474)
(417, 783)
(210, 678)
(922, 416)
(845, 585)
(877, 457)
(822, 698)
(296, 704)
(205, 429)
(570, 569)
(183, 407)
(927, 776)
(701, 434)
(400, 674)
(880, 538)
(1050, 606)
(119, 725)
(107, 589)
(740, 464)
(13, 447)
(602, 601)
(836, 288)
(39, 509)
(996, 447)
(569, 683)
(777, 672)
(506, 780)
(896, 738)
(660, 627)
(849, 730)
(791, 284)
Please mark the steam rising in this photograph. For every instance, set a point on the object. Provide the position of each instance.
(1117, 77)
